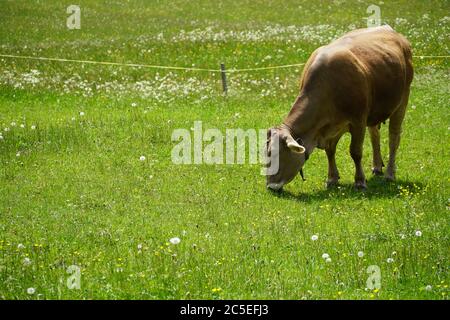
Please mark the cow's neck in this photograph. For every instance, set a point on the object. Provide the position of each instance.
(304, 122)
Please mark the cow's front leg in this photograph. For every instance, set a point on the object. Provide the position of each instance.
(333, 173)
(356, 151)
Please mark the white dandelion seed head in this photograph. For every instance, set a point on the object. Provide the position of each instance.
(26, 261)
(314, 237)
(31, 290)
(139, 246)
(418, 233)
(1, 137)
(325, 256)
(328, 260)
(360, 254)
(13, 124)
(175, 240)
(142, 158)
(134, 104)
(22, 126)
(81, 114)
(389, 260)
(6, 129)
(33, 127)
(20, 246)
(428, 288)
(18, 154)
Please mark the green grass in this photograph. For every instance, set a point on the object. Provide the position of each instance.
(73, 191)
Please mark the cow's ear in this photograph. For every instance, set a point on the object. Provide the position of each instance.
(294, 146)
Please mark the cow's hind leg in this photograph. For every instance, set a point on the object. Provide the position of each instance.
(333, 173)
(356, 152)
(395, 129)
(377, 164)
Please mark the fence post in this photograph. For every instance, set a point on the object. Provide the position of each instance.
(224, 78)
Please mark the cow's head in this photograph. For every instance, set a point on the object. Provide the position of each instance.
(291, 157)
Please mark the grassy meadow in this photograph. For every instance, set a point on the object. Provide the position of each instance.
(74, 189)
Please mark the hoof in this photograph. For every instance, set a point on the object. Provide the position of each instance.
(390, 173)
(377, 172)
(332, 183)
(360, 185)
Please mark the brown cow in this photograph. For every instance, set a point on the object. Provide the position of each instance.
(357, 81)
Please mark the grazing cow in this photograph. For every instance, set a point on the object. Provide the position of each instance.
(357, 81)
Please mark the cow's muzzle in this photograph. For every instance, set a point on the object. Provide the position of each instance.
(275, 186)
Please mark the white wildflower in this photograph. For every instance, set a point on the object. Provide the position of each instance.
(26, 261)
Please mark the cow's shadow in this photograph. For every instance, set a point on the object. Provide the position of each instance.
(377, 187)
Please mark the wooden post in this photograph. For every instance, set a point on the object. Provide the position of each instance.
(224, 78)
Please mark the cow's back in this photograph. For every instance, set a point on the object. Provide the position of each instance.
(368, 73)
